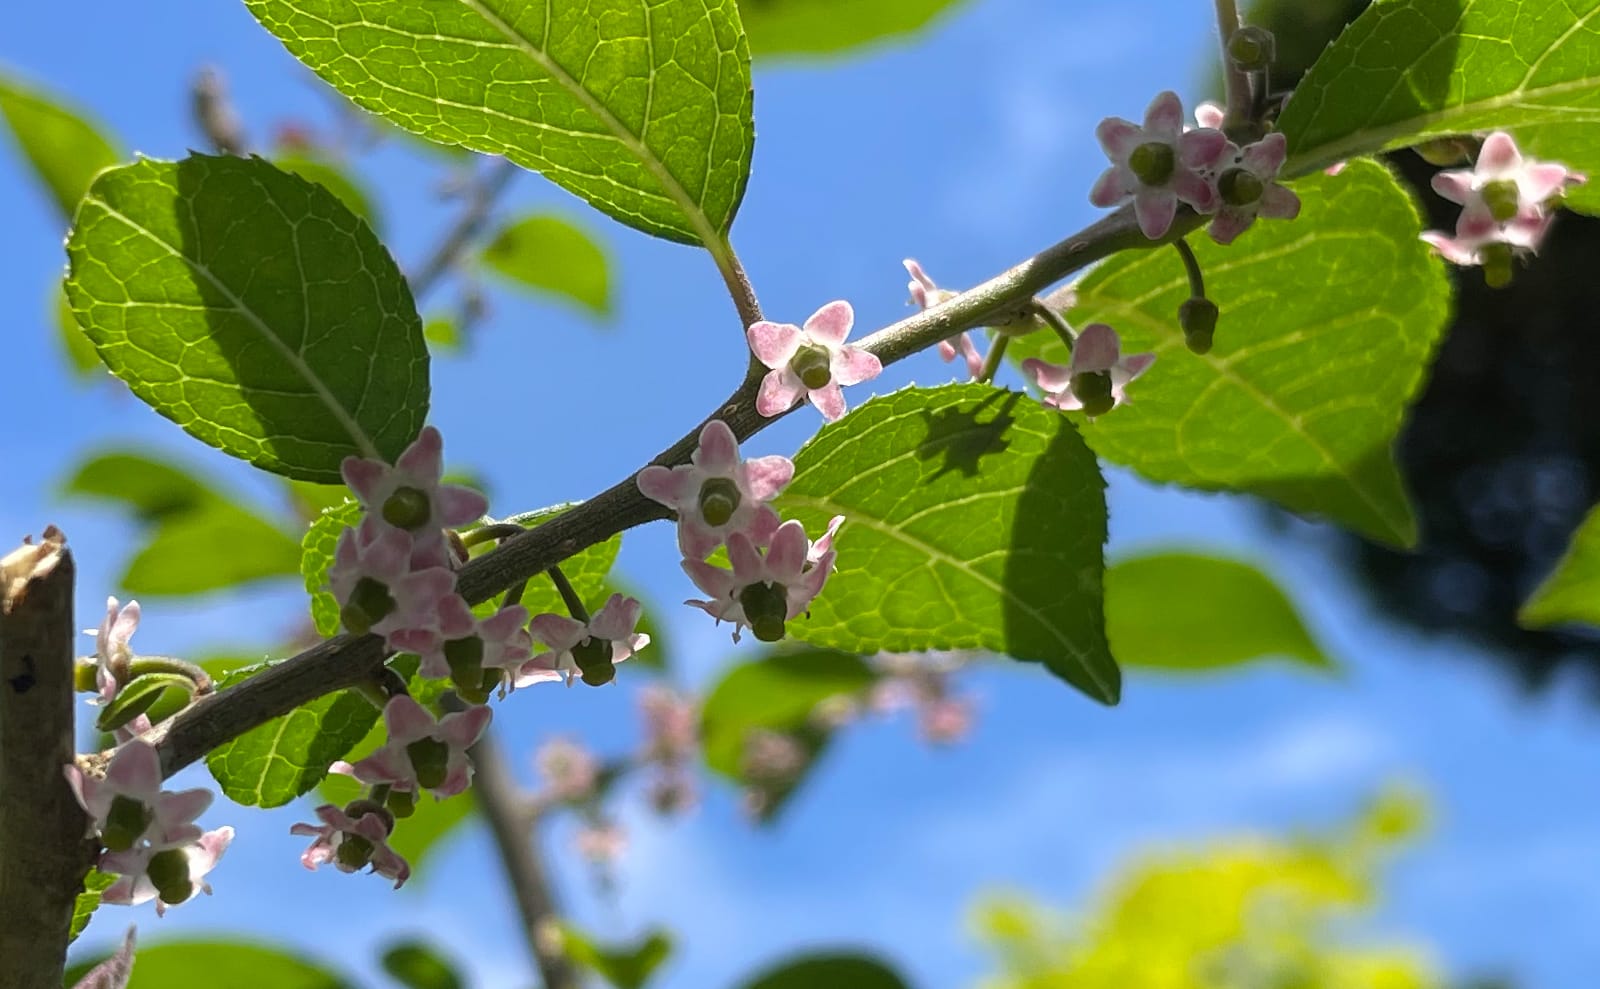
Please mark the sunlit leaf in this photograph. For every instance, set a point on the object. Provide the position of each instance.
(64, 148)
(790, 28)
(1571, 593)
(95, 883)
(316, 558)
(337, 180)
(553, 257)
(417, 965)
(222, 964)
(627, 966)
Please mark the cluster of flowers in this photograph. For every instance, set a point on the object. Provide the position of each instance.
(1164, 163)
(149, 839)
(721, 500)
(394, 575)
(575, 778)
(1507, 205)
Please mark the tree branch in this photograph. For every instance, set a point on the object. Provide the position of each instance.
(347, 660)
(41, 825)
(486, 189)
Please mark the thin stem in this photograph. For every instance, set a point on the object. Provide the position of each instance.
(486, 533)
(1191, 264)
(991, 362)
(569, 594)
(738, 283)
(486, 189)
(379, 793)
(1056, 323)
(1236, 83)
(347, 660)
(514, 595)
(172, 664)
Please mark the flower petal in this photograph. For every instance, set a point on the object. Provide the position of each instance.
(773, 343)
(559, 632)
(1229, 224)
(831, 324)
(406, 720)
(1049, 377)
(787, 556)
(670, 486)
(1155, 208)
(1118, 137)
(1113, 186)
(1096, 350)
(424, 458)
(617, 618)
(1163, 118)
(1279, 203)
(1455, 185)
(1265, 157)
(718, 452)
(766, 476)
(852, 365)
(780, 389)
(364, 477)
(1498, 156)
(829, 400)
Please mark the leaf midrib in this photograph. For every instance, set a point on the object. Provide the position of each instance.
(357, 434)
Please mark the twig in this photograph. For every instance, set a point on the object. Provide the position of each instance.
(347, 660)
(41, 825)
(1235, 81)
(486, 189)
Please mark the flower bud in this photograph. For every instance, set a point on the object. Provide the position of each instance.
(766, 608)
(169, 873)
(811, 366)
(1239, 187)
(719, 499)
(465, 658)
(1093, 389)
(369, 602)
(407, 508)
(430, 758)
(401, 803)
(354, 852)
(1198, 317)
(1252, 48)
(126, 821)
(1503, 199)
(1153, 162)
(593, 656)
(1446, 151)
(1497, 265)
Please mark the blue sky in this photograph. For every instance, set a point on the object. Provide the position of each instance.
(969, 148)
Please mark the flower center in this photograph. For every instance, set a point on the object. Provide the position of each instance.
(430, 760)
(1503, 199)
(126, 822)
(169, 873)
(1239, 187)
(811, 365)
(766, 608)
(401, 803)
(719, 499)
(1093, 389)
(593, 656)
(354, 852)
(1153, 162)
(465, 657)
(369, 603)
(407, 508)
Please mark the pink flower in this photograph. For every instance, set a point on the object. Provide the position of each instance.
(464, 647)
(927, 295)
(810, 362)
(409, 495)
(570, 771)
(1158, 165)
(1209, 115)
(129, 810)
(717, 493)
(421, 753)
(352, 844)
(1097, 377)
(591, 650)
(771, 757)
(764, 591)
(671, 724)
(1249, 188)
(111, 648)
(167, 875)
(601, 844)
(377, 589)
(946, 720)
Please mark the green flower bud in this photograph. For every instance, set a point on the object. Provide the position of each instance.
(1198, 317)
(1252, 48)
(1239, 187)
(766, 608)
(83, 676)
(1497, 268)
(1093, 389)
(593, 656)
(126, 821)
(369, 603)
(354, 851)
(1502, 198)
(169, 873)
(719, 499)
(401, 803)
(407, 508)
(431, 760)
(1153, 162)
(465, 657)
(811, 365)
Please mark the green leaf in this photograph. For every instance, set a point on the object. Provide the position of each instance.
(198, 540)
(553, 257)
(218, 964)
(975, 519)
(1189, 612)
(1572, 591)
(780, 694)
(835, 971)
(1327, 327)
(443, 334)
(416, 965)
(624, 966)
(642, 107)
(336, 180)
(81, 356)
(95, 883)
(136, 697)
(791, 28)
(316, 557)
(64, 149)
(252, 308)
(1409, 70)
(273, 763)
